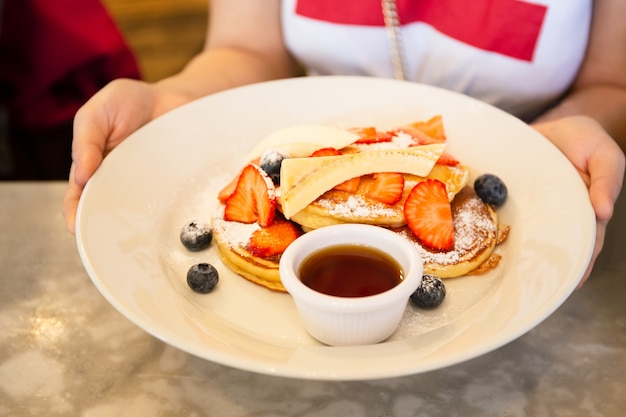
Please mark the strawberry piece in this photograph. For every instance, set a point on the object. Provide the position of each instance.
(447, 159)
(326, 152)
(274, 239)
(433, 127)
(387, 187)
(254, 198)
(429, 215)
(368, 135)
(428, 132)
(349, 186)
(229, 189)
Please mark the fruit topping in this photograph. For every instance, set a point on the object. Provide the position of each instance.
(428, 132)
(202, 278)
(254, 198)
(326, 152)
(447, 159)
(430, 293)
(369, 135)
(304, 179)
(491, 189)
(271, 161)
(229, 189)
(274, 239)
(196, 236)
(349, 186)
(429, 216)
(300, 141)
(387, 187)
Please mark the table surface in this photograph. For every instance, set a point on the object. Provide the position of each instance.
(65, 351)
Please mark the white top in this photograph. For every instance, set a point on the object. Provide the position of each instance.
(517, 55)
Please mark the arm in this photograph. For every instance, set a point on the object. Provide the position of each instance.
(244, 45)
(589, 124)
(599, 91)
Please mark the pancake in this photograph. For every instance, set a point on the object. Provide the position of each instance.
(232, 238)
(336, 206)
(476, 235)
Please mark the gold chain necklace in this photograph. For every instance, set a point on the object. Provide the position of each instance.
(392, 24)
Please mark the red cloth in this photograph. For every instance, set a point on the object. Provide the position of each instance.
(54, 55)
(492, 25)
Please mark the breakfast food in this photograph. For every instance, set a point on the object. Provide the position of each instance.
(202, 278)
(430, 293)
(196, 236)
(457, 242)
(307, 177)
(378, 199)
(491, 189)
(253, 251)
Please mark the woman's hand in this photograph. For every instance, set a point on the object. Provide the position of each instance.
(101, 124)
(234, 55)
(599, 161)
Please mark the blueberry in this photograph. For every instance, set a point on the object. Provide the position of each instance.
(271, 161)
(430, 293)
(491, 189)
(196, 236)
(202, 278)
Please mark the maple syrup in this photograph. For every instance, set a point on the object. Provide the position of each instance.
(350, 271)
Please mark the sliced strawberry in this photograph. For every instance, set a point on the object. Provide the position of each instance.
(387, 187)
(254, 198)
(428, 132)
(369, 135)
(433, 127)
(229, 189)
(429, 215)
(447, 159)
(274, 239)
(349, 186)
(326, 152)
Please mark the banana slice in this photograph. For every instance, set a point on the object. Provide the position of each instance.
(302, 140)
(304, 179)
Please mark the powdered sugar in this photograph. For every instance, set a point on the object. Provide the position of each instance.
(472, 224)
(402, 139)
(356, 206)
(235, 234)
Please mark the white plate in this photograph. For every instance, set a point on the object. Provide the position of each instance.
(169, 172)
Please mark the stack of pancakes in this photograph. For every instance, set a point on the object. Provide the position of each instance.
(232, 239)
(477, 231)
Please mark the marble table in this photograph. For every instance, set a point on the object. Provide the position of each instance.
(64, 351)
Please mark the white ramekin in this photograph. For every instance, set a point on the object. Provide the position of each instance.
(340, 321)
